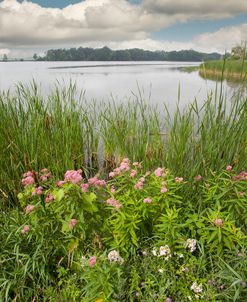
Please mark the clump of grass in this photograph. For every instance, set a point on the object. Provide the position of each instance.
(64, 131)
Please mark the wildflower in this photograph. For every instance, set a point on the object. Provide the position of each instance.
(83, 261)
(241, 194)
(113, 190)
(211, 282)
(197, 288)
(44, 177)
(111, 174)
(133, 173)
(222, 286)
(49, 198)
(138, 185)
(25, 229)
(142, 284)
(154, 251)
(60, 183)
(159, 172)
(142, 179)
(27, 181)
(137, 294)
(126, 160)
(168, 299)
(114, 256)
(124, 166)
(44, 170)
(92, 261)
(138, 165)
(73, 176)
(37, 191)
(191, 244)
(179, 179)
(228, 168)
(84, 188)
(165, 251)
(147, 200)
(198, 177)
(29, 208)
(28, 174)
(160, 270)
(72, 223)
(163, 190)
(239, 254)
(219, 222)
(113, 202)
(243, 284)
(147, 173)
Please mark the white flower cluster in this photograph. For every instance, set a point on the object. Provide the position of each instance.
(197, 288)
(191, 244)
(114, 256)
(165, 251)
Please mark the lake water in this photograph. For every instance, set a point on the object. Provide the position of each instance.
(159, 82)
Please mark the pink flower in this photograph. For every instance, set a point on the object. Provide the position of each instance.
(138, 185)
(159, 172)
(124, 166)
(147, 173)
(73, 176)
(113, 202)
(163, 190)
(25, 229)
(72, 223)
(219, 222)
(198, 177)
(84, 187)
(138, 165)
(60, 183)
(133, 173)
(142, 179)
(44, 170)
(113, 190)
(49, 198)
(92, 181)
(126, 160)
(229, 168)
(111, 174)
(29, 208)
(37, 191)
(179, 179)
(147, 200)
(92, 261)
(29, 180)
(28, 173)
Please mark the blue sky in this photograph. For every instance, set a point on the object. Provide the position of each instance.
(204, 25)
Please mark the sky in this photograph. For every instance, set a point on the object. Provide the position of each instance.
(34, 26)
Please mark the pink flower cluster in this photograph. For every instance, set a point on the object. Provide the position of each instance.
(241, 176)
(147, 200)
(28, 179)
(94, 181)
(229, 168)
(179, 179)
(137, 165)
(29, 208)
(198, 177)
(219, 222)
(164, 188)
(72, 223)
(73, 176)
(25, 229)
(113, 202)
(45, 175)
(159, 172)
(49, 198)
(139, 184)
(92, 261)
(37, 191)
(60, 183)
(124, 166)
(84, 188)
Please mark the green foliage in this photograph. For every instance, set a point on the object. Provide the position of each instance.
(134, 237)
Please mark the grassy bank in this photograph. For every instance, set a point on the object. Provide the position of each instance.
(224, 69)
(65, 131)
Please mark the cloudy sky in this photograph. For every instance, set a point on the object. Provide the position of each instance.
(205, 25)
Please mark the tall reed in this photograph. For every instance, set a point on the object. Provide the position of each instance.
(65, 131)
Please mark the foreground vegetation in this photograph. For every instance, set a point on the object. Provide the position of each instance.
(152, 206)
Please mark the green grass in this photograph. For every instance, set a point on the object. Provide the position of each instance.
(229, 69)
(65, 131)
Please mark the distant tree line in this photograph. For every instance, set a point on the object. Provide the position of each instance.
(135, 54)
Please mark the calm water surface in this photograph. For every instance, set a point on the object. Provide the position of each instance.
(159, 82)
